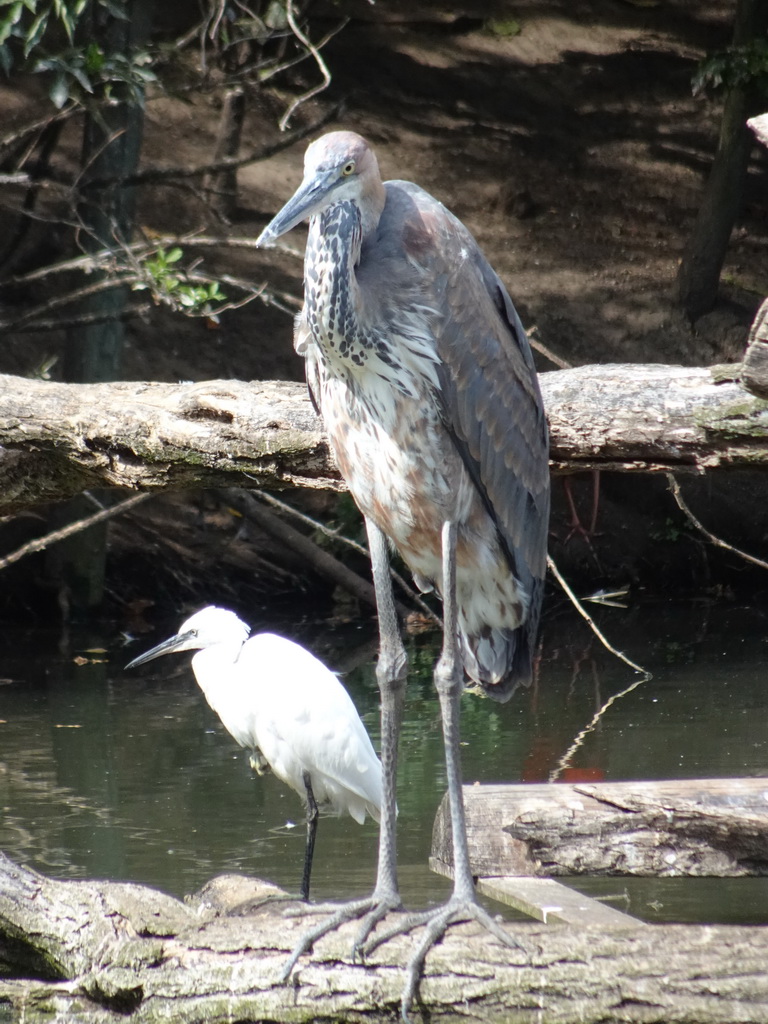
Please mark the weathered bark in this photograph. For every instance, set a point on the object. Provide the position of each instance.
(691, 827)
(114, 952)
(61, 438)
(754, 369)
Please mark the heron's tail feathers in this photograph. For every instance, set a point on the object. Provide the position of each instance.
(498, 659)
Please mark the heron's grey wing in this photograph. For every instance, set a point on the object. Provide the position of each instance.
(490, 395)
(305, 346)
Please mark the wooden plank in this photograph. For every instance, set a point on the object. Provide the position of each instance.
(693, 827)
(547, 900)
(554, 903)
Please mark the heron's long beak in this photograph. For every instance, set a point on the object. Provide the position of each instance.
(173, 643)
(307, 199)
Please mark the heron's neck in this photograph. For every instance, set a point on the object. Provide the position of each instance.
(331, 290)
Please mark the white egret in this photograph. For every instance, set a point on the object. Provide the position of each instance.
(286, 708)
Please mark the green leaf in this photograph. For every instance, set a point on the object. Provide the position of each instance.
(174, 255)
(35, 33)
(59, 91)
(116, 9)
(12, 17)
(94, 59)
(503, 27)
(6, 27)
(69, 24)
(81, 77)
(46, 64)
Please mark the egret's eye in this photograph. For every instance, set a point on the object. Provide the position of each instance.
(348, 169)
(193, 632)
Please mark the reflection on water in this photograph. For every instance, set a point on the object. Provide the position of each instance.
(105, 773)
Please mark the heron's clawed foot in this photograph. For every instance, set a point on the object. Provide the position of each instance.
(372, 909)
(435, 923)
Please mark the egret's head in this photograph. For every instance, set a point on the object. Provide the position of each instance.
(205, 628)
(338, 167)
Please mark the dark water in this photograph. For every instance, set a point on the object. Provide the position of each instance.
(130, 776)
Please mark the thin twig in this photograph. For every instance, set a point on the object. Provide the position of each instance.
(675, 488)
(361, 549)
(118, 281)
(265, 76)
(85, 320)
(9, 140)
(159, 174)
(590, 621)
(41, 543)
(283, 301)
(539, 346)
(107, 257)
(320, 560)
(323, 67)
(152, 175)
(565, 760)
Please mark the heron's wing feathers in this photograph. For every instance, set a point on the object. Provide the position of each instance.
(489, 393)
(305, 346)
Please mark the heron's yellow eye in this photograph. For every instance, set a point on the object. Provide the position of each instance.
(348, 169)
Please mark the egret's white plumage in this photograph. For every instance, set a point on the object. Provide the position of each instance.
(276, 698)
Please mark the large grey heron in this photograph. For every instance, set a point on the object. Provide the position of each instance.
(427, 387)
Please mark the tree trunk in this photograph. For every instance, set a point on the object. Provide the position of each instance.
(222, 186)
(117, 953)
(702, 261)
(111, 147)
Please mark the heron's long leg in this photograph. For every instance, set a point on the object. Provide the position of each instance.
(462, 906)
(449, 684)
(309, 852)
(391, 670)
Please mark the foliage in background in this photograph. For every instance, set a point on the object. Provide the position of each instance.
(738, 66)
(166, 284)
(36, 31)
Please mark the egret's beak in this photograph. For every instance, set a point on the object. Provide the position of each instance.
(307, 200)
(173, 643)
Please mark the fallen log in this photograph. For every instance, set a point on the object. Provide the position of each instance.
(106, 952)
(684, 827)
(58, 439)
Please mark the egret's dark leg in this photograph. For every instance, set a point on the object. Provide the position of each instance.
(462, 906)
(309, 852)
(391, 670)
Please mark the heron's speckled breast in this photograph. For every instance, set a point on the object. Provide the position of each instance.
(406, 475)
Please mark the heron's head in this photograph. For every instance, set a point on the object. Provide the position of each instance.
(338, 167)
(203, 629)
